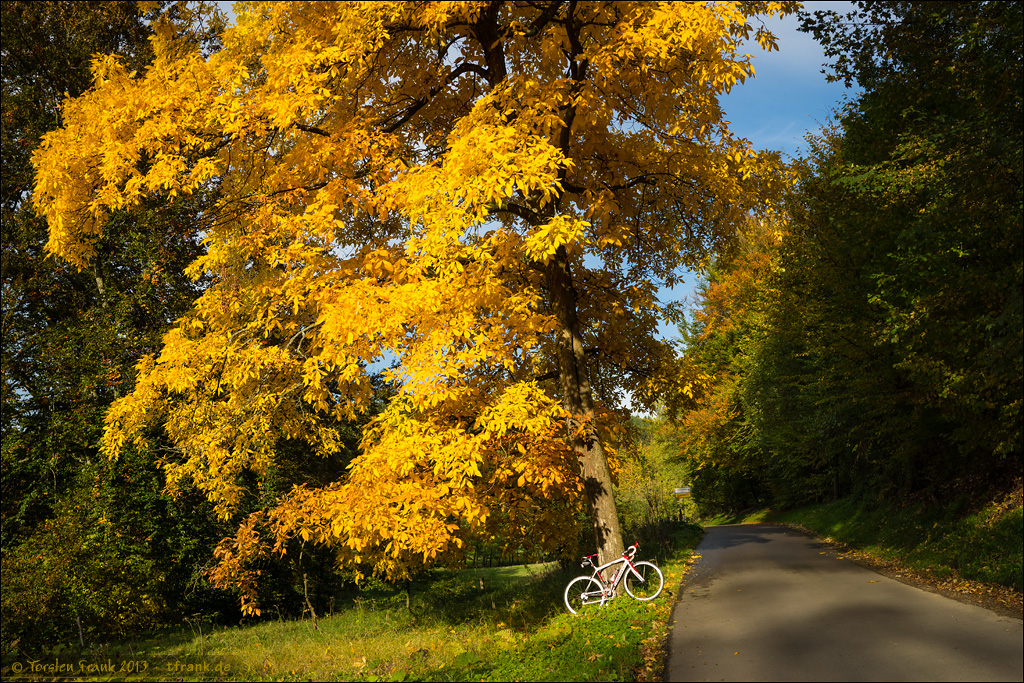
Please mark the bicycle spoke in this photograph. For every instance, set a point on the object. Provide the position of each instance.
(648, 584)
(583, 593)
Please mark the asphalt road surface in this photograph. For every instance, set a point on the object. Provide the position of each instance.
(769, 603)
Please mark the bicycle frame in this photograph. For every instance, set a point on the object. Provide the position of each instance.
(609, 586)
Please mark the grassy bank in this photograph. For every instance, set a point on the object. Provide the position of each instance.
(495, 624)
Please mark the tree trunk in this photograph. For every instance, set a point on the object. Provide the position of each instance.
(309, 605)
(572, 370)
(578, 402)
(305, 590)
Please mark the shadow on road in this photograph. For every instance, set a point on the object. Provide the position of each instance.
(729, 535)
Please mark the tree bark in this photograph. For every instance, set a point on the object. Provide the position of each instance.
(578, 402)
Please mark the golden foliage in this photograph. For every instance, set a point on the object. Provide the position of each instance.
(393, 177)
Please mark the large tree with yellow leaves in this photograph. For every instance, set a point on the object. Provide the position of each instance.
(488, 194)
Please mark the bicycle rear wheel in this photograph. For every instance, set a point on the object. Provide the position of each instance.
(648, 585)
(583, 592)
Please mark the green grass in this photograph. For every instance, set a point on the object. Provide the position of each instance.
(745, 517)
(514, 627)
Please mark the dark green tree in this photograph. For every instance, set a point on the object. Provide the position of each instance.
(70, 338)
(882, 353)
(85, 541)
(927, 196)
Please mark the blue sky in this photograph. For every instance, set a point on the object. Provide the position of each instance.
(788, 98)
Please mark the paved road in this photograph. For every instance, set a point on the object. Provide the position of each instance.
(768, 603)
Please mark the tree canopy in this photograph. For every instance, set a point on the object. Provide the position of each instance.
(870, 342)
(485, 194)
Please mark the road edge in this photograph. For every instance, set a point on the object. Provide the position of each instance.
(1002, 600)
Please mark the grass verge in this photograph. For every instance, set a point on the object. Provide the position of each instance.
(501, 624)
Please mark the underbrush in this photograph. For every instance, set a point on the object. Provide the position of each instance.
(497, 624)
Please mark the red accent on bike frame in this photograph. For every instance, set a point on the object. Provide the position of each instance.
(628, 557)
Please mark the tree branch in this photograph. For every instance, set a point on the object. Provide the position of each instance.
(645, 179)
(312, 129)
(527, 214)
(464, 68)
(543, 19)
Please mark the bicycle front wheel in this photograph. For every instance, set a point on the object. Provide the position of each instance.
(583, 592)
(648, 584)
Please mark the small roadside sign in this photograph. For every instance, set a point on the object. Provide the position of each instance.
(683, 492)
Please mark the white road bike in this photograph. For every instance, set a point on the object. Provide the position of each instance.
(642, 580)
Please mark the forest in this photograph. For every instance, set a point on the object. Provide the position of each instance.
(322, 300)
(865, 339)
